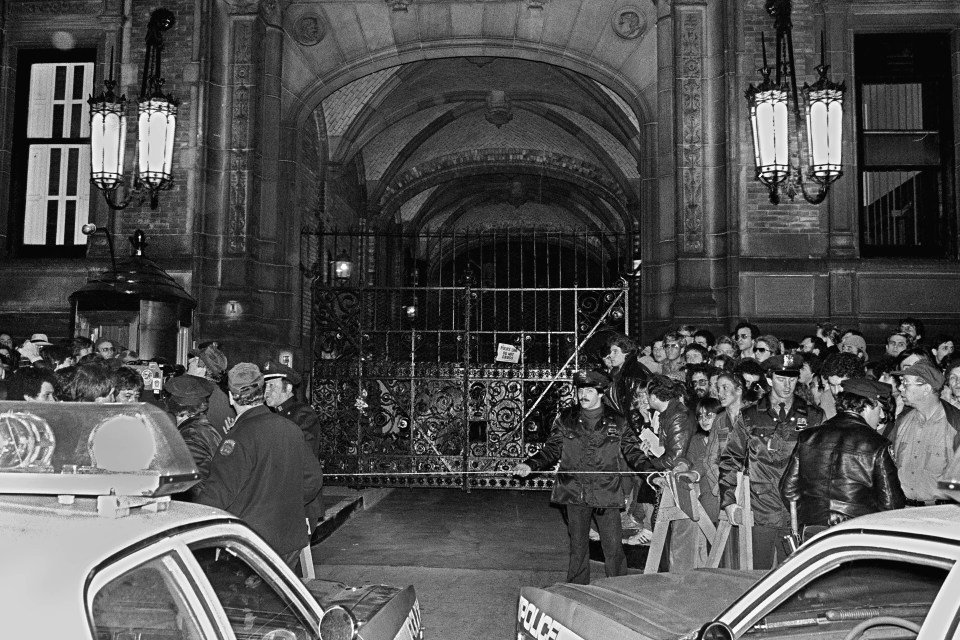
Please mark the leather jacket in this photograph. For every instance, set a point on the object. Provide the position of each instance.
(840, 470)
(607, 447)
(677, 426)
(760, 445)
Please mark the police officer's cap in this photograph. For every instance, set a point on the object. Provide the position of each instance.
(274, 369)
(188, 389)
(869, 389)
(787, 365)
(596, 379)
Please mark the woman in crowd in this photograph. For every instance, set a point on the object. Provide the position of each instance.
(951, 391)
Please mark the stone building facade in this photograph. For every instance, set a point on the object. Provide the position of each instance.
(622, 116)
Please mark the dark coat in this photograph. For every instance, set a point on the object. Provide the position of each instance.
(609, 446)
(264, 473)
(842, 467)
(305, 418)
(761, 446)
(677, 425)
(202, 440)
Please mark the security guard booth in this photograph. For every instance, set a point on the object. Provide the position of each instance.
(139, 305)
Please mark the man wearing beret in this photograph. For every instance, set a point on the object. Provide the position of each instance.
(188, 401)
(760, 444)
(209, 363)
(926, 436)
(263, 471)
(278, 394)
(588, 437)
(843, 468)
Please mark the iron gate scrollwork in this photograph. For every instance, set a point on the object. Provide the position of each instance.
(405, 376)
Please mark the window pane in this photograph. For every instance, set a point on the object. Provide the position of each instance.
(58, 195)
(145, 602)
(60, 83)
(836, 601)
(253, 604)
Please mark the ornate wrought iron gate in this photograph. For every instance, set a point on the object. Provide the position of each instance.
(407, 378)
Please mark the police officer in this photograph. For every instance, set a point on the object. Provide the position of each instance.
(188, 401)
(760, 444)
(262, 471)
(588, 437)
(278, 394)
(279, 383)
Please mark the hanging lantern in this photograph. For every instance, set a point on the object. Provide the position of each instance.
(108, 135)
(824, 127)
(768, 120)
(158, 121)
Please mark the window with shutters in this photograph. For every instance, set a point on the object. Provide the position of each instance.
(905, 145)
(51, 168)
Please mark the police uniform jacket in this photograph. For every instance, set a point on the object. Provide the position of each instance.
(760, 445)
(609, 446)
(841, 470)
(305, 418)
(264, 473)
(202, 440)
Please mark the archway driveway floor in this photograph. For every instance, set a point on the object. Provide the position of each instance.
(467, 554)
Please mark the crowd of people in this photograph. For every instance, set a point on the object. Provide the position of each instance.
(823, 432)
(254, 444)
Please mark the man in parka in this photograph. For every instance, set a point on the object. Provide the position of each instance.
(589, 437)
(760, 446)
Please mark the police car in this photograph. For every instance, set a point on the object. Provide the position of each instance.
(894, 575)
(93, 548)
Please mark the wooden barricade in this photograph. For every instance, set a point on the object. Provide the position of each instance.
(744, 530)
(679, 502)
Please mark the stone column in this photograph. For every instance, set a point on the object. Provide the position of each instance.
(700, 160)
(238, 250)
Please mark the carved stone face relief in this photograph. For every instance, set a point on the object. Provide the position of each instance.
(628, 22)
(309, 29)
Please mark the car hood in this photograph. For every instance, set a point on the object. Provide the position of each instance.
(659, 606)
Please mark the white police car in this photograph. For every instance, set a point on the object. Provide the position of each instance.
(893, 575)
(92, 547)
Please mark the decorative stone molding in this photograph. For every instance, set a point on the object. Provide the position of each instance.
(242, 7)
(690, 148)
(399, 5)
(270, 12)
(54, 8)
(239, 138)
(628, 22)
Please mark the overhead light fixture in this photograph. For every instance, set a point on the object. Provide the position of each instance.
(342, 266)
(156, 126)
(818, 137)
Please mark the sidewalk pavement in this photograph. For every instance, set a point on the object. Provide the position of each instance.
(343, 503)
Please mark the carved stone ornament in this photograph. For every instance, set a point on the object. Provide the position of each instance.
(56, 7)
(399, 5)
(270, 11)
(628, 22)
(309, 29)
(242, 7)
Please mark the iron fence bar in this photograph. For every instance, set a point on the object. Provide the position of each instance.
(572, 356)
(467, 306)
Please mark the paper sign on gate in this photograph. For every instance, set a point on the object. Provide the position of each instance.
(507, 353)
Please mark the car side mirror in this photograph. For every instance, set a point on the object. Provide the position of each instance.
(715, 631)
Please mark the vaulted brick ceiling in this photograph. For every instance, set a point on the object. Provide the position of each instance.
(428, 156)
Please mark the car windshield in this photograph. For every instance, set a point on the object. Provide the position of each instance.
(853, 592)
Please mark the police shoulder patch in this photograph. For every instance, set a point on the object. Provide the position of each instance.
(226, 447)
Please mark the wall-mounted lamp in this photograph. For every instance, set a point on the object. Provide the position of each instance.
(411, 310)
(89, 229)
(818, 137)
(157, 119)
